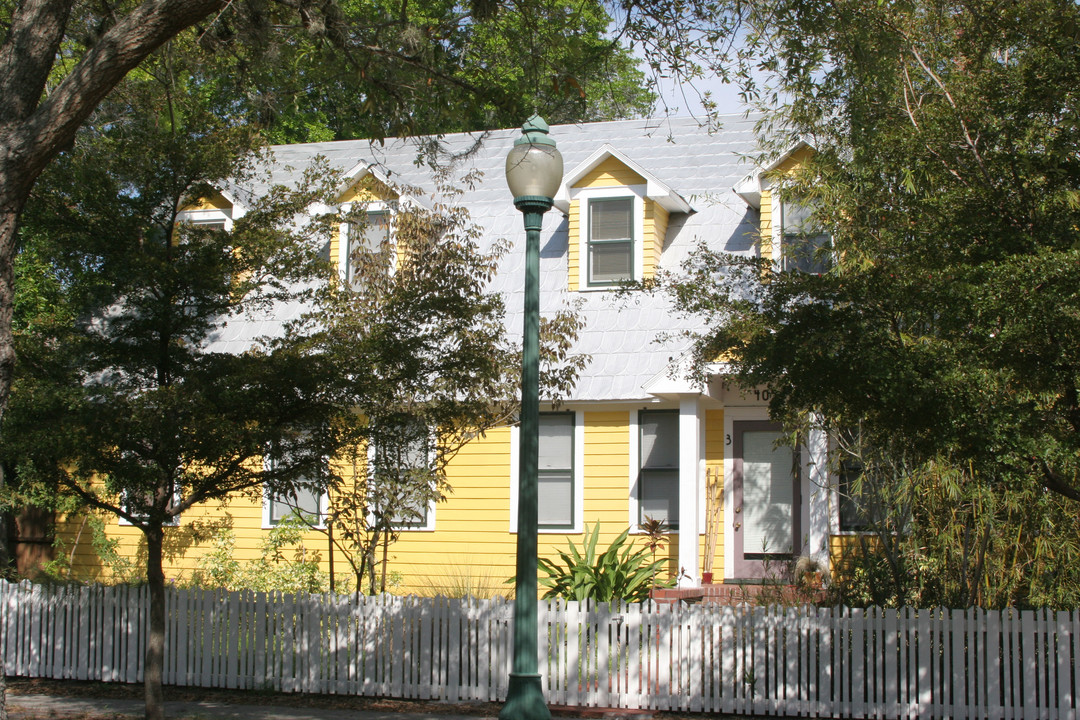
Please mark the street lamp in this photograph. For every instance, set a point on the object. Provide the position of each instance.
(534, 170)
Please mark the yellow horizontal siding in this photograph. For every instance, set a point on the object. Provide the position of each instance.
(471, 544)
(606, 472)
(765, 231)
(714, 461)
(216, 201)
(573, 259)
(610, 173)
(844, 550)
(655, 231)
(368, 189)
(335, 246)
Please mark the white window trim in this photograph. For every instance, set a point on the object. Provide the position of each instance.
(267, 524)
(175, 522)
(206, 217)
(324, 503)
(344, 241)
(578, 478)
(429, 522)
(583, 196)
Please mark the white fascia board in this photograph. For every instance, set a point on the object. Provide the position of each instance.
(655, 188)
(672, 381)
(357, 172)
(719, 368)
(239, 208)
(751, 186)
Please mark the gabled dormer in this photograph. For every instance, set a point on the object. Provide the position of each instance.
(368, 198)
(618, 219)
(787, 233)
(218, 210)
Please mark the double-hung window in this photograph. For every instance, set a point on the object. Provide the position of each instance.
(803, 246)
(305, 500)
(658, 480)
(366, 238)
(861, 504)
(611, 241)
(136, 503)
(401, 470)
(555, 479)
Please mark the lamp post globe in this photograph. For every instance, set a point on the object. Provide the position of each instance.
(534, 169)
(534, 166)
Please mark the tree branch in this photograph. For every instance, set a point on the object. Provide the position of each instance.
(53, 123)
(28, 54)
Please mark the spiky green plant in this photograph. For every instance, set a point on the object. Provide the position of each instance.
(619, 573)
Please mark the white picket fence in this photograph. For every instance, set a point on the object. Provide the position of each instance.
(748, 660)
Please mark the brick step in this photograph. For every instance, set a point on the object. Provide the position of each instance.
(736, 594)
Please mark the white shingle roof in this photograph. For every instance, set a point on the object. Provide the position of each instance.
(702, 166)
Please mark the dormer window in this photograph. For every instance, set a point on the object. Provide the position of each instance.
(618, 214)
(803, 246)
(611, 241)
(368, 236)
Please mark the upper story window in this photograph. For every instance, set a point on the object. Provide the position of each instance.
(611, 241)
(803, 246)
(618, 213)
(369, 236)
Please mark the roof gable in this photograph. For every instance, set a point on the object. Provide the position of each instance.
(606, 161)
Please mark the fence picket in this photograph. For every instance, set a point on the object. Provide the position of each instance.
(807, 661)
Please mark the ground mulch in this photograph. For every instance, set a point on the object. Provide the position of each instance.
(85, 689)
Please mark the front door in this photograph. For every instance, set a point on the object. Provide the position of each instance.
(765, 488)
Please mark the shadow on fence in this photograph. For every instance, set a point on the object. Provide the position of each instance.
(700, 658)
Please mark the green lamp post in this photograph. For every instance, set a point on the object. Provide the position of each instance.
(534, 169)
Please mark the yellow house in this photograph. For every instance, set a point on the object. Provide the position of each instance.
(635, 437)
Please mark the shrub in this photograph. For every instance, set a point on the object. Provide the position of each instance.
(619, 573)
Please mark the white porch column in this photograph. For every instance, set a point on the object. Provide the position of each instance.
(817, 490)
(690, 445)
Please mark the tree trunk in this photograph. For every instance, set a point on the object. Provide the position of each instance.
(9, 219)
(5, 556)
(155, 642)
(3, 690)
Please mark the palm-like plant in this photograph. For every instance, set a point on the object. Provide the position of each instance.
(621, 572)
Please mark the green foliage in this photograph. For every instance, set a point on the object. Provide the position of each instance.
(618, 573)
(432, 369)
(941, 537)
(122, 568)
(380, 69)
(273, 571)
(947, 328)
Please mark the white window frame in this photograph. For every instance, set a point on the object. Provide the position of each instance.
(779, 231)
(374, 207)
(267, 499)
(212, 216)
(268, 523)
(429, 517)
(619, 192)
(635, 466)
(124, 522)
(577, 478)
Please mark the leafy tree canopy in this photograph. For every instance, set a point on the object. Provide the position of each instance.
(946, 171)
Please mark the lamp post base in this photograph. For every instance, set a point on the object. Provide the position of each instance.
(525, 699)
